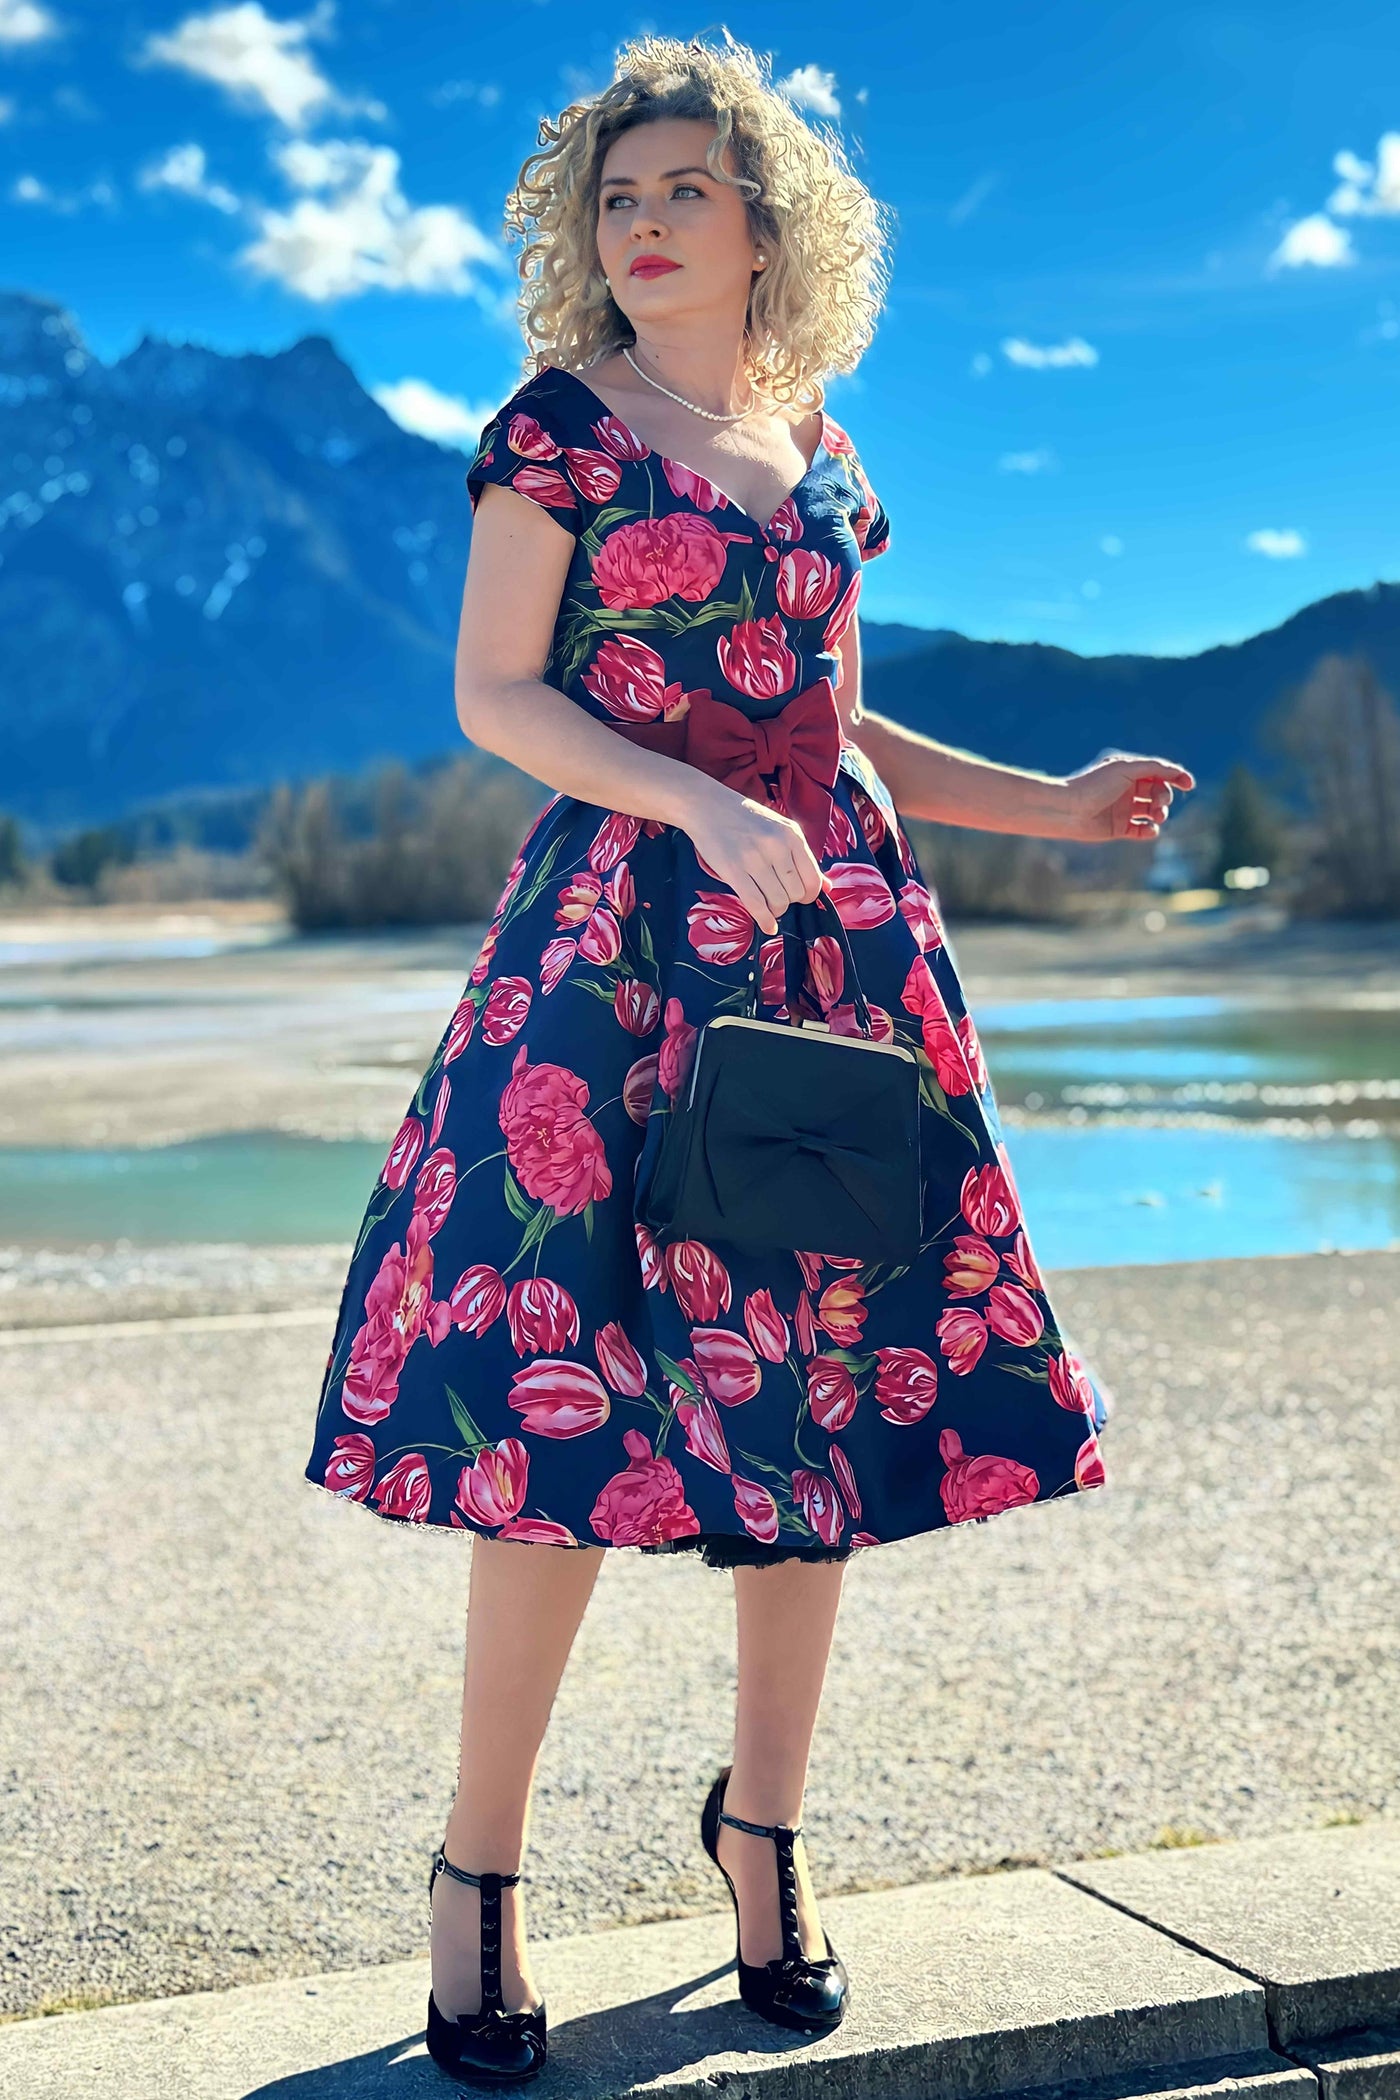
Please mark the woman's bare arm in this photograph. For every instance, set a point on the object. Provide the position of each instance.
(1124, 797)
(515, 578)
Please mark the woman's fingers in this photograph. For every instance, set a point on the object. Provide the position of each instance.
(766, 861)
(755, 903)
(769, 887)
(1152, 806)
(803, 871)
(774, 888)
(1146, 806)
(1164, 770)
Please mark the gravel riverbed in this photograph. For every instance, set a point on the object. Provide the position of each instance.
(229, 1726)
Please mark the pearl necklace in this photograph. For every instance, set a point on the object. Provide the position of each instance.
(708, 413)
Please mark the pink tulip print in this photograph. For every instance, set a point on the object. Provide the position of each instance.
(399, 1309)
(525, 1350)
(981, 1486)
(756, 1509)
(559, 1398)
(619, 1360)
(704, 1431)
(831, 1392)
(556, 1153)
(644, 1503)
(405, 1490)
(906, 1386)
(491, 1490)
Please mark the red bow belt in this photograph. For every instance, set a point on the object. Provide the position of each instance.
(799, 747)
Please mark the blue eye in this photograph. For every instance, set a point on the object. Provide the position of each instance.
(623, 196)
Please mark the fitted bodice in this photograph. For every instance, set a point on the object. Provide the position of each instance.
(673, 587)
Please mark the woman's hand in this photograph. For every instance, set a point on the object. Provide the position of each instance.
(1126, 797)
(762, 854)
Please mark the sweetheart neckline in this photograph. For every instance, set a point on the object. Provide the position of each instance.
(822, 450)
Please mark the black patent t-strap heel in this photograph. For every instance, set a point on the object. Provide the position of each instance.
(493, 2046)
(794, 1989)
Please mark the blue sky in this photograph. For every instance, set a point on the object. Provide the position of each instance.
(1137, 384)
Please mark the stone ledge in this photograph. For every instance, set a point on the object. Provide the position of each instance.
(1314, 1917)
(962, 1989)
(1257, 2075)
(1262, 1970)
(1363, 2066)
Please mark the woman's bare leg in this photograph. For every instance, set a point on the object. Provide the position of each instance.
(787, 1615)
(524, 1606)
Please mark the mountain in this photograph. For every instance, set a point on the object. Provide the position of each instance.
(214, 571)
(1029, 704)
(218, 571)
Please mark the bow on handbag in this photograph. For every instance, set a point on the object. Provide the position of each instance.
(772, 1139)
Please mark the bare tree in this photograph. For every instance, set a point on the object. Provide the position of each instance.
(432, 851)
(1341, 730)
(990, 875)
(12, 865)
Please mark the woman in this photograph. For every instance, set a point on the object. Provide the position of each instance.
(658, 622)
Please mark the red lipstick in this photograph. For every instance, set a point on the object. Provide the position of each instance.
(651, 266)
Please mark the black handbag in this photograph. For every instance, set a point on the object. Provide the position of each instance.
(787, 1135)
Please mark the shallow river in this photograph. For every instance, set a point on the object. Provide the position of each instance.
(1140, 1131)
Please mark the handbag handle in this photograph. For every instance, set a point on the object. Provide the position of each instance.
(794, 959)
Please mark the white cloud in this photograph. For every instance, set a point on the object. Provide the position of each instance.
(261, 62)
(30, 189)
(1279, 546)
(1026, 462)
(1350, 167)
(484, 92)
(1369, 189)
(1314, 240)
(25, 22)
(185, 169)
(416, 406)
(356, 230)
(809, 88)
(1052, 356)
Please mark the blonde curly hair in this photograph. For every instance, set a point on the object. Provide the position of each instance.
(811, 312)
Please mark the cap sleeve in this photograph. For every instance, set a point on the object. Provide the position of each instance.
(871, 522)
(523, 448)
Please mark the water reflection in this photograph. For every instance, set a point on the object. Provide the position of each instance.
(1129, 1195)
(1242, 1060)
(1141, 1130)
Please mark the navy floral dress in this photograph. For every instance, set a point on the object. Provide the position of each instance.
(516, 1352)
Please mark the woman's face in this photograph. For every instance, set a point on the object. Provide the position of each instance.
(657, 199)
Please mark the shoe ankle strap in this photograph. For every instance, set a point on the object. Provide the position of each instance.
(762, 1830)
(490, 1885)
(784, 1836)
(443, 1865)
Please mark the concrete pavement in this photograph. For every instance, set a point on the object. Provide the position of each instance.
(1016, 1983)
